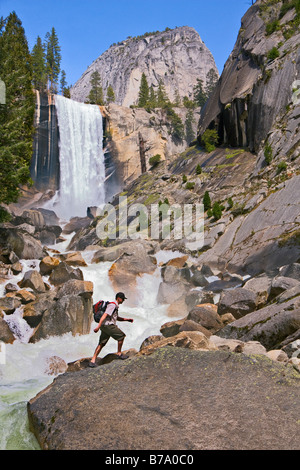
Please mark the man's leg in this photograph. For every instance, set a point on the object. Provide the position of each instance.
(104, 337)
(96, 353)
(120, 344)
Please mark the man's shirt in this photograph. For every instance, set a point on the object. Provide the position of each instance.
(112, 314)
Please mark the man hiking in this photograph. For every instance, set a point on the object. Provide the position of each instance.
(109, 329)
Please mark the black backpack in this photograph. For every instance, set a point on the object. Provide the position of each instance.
(99, 309)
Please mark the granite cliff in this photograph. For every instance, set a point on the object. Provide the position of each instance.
(178, 57)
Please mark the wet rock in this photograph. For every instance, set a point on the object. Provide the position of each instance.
(66, 310)
(9, 304)
(47, 264)
(73, 259)
(6, 334)
(34, 281)
(63, 273)
(55, 365)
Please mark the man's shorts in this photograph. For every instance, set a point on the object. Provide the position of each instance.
(110, 331)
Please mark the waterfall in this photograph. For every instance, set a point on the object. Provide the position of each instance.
(81, 157)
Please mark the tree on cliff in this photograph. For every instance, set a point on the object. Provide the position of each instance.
(200, 96)
(211, 82)
(39, 65)
(53, 59)
(17, 115)
(110, 95)
(96, 93)
(144, 92)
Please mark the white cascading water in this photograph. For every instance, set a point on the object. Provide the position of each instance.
(81, 157)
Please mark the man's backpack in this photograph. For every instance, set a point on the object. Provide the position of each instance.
(99, 309)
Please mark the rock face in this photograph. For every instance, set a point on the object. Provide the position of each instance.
(256, 87)
(180, 399)
(178, 57)
(130, 128)
(45, 160)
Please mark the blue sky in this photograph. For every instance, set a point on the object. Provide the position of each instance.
(87, 28)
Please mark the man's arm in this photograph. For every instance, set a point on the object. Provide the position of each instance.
(125, 319)
(100, 322)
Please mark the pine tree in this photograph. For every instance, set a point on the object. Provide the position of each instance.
(189, 130)
(110, 95)
(152, 98)
(200, 96)
(211, 82)
(39, 65)
(17, 115)
(162, 97)
(144, 92)
(206, 201)
(96, 94)
(53, 59)
(63, 82)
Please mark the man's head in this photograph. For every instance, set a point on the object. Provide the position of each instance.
(120, 297)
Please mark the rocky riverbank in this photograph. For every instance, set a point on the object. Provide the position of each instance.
(231, 326)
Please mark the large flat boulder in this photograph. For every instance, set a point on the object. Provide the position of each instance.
(176, 399)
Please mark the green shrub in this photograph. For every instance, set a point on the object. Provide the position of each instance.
(217, 211)
(198, 170)
(230, 203)
(189, 185)
(273, 53)
(184, 178)
(153, 161)
(268, 153)
(210, 139)
(271, 27)
(282, 166)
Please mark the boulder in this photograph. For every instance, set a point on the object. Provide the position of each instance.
(195, 340)
(55, 365)
(34, 281)
(190, 325)
(270, 325)
(25, 296)
(278, 355)
(73, 259)
(291, 270)
(9, 304)
(182, 399)
(33, 217)
(50, 217)
(33, 312)
(69, 310)
(24, 245)
(6, 334)
(195, 297)
(206, 315)
(261, 286)
(76, 223)
(63, 273)
(281, 284)
(239, 302)
(171, 328)
(47, 264)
